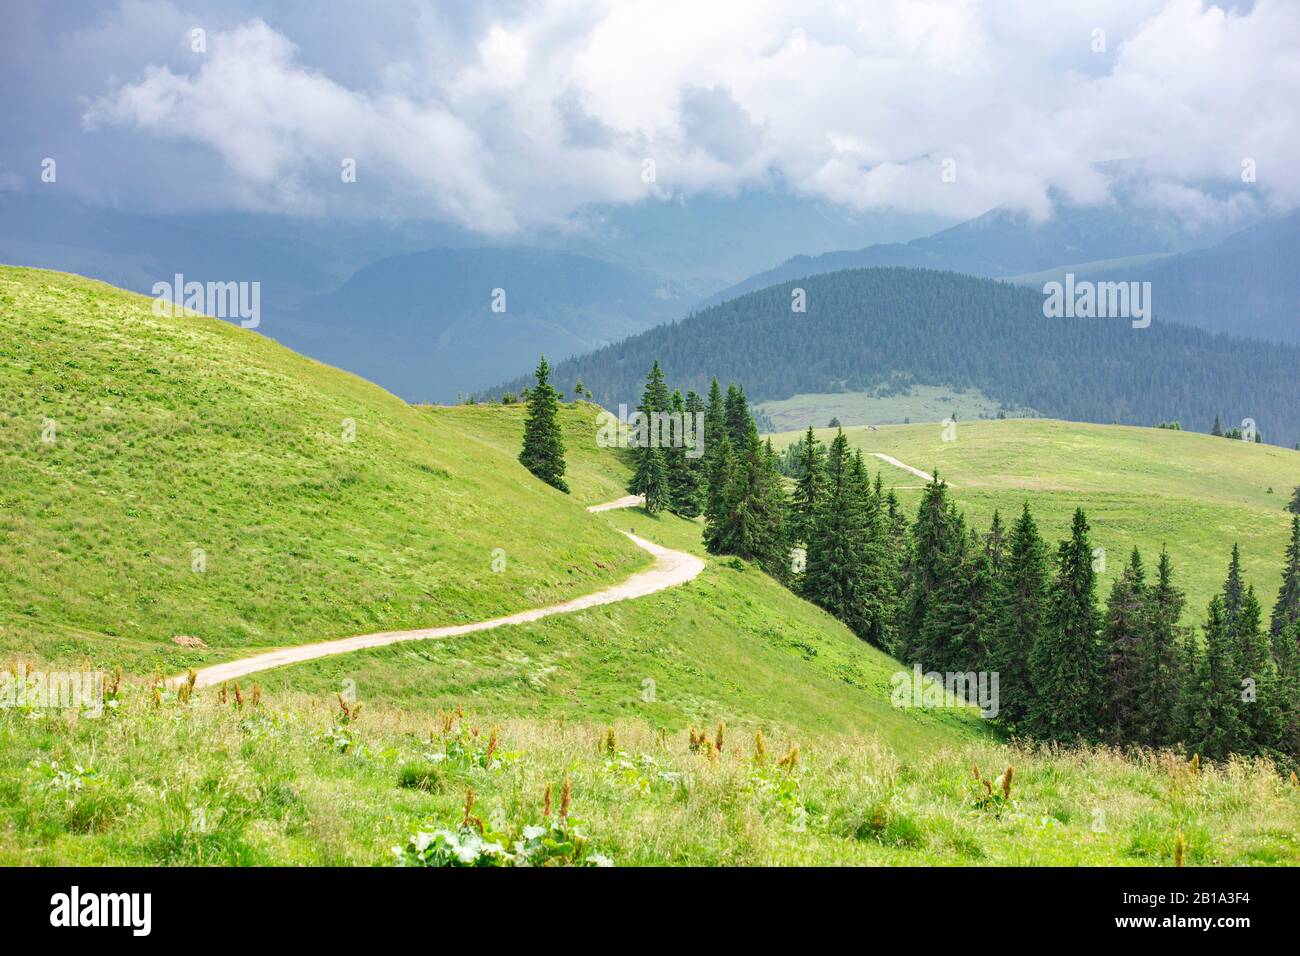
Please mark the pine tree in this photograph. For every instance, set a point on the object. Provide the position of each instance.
(738, 420)
(878, 598)
(1260, 709)
(1162, 659)
(1020, 604)
(717, 507)
(833, 577)
(1215, 729)
(950, 638)
(1287, 745)
(995, 544)
(715, 424)
(1217, 429)
(1293, 505)
(1286, 611)
(651, 475)
(1065, 665)
(1124, 630)
(543, 451)
(807, 489)
(752, 519)
(686, 475)
(932, 538)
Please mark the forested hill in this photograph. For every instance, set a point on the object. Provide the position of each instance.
(865, 327)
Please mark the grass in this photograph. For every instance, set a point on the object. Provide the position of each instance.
(1140, 487)
(210, 784)
(180, 433)
(921, 403)
(177, 434)
(732, 645)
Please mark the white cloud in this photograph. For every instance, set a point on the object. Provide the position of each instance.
(860, 103)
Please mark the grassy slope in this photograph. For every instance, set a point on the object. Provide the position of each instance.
(1139, 487)
(922, 403)
(284, 783)
(183, 433)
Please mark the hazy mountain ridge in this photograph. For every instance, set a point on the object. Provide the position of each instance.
(867, 327)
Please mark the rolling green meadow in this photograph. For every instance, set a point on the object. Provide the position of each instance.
(918, 403)
(1140, 487)
(723, 721)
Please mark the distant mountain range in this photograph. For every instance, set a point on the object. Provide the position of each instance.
(427, 325)
(866, 328)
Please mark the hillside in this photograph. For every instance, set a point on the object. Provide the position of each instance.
(180, 433)
(866, 328)
(169, 426)
(172, 435)
(1140, 487)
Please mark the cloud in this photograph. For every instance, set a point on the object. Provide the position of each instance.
(507, 122)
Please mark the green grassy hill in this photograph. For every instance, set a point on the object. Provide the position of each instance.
(180, 433)
(1139, 486)
(174, 434)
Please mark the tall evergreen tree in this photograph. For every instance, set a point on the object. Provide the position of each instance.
(717, 507)
(807, 489)
(1020, 605)
(543, 451)
(1065, 665)
(934, 538)
(715, 424)
(1260, 709)
(752, 521)
(1162, 658)
(1286, 611)
(1215, 728)
(1124, 630)
(1288, 684)
(686, 475)
(651, 475)
(739, 421)
(833, 577)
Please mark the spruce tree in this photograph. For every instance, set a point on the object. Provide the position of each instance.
(878, 599)
(543, 451)
(1287, 745)
(933, 537)
(1124, 631)
(1293, 505)
(1065, 665)
(1215, 728)
(752, 521)
(1020, 603)
(1260, 709)
(686, 477)
(738, 420)
(807, 488)
(650, 477)
(717, 507)
(1162, 659)
(833, 576)
(715, 424)
(1286, 611)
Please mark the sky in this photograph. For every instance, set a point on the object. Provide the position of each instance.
(506, 117)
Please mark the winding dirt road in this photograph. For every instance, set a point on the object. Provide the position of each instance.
(670, 569)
